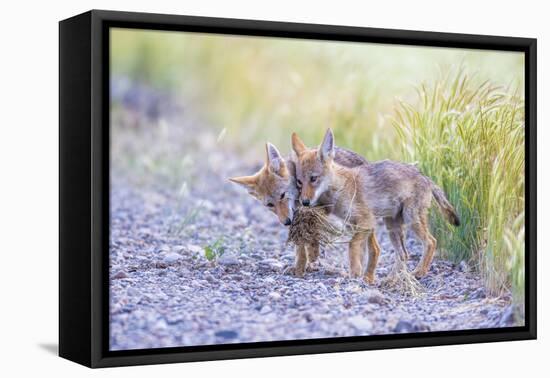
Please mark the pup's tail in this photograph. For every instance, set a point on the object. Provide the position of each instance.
(445, 206)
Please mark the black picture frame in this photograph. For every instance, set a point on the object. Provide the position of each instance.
(84, 187)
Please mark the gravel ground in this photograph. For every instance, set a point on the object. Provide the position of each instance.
(170, 199)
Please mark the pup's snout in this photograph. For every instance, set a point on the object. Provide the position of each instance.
(287, 222)
(305, 202)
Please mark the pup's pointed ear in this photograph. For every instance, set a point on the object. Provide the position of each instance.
(291, 165)
(293, 156)
(248, 182)
(297, 145)
(326, 149)
(274, 160)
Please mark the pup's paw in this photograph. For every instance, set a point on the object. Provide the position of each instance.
(313, 267)
(293, 271)
(299, 272)
(369, 279)
(355, 272)
(419, 272)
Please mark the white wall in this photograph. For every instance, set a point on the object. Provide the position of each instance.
(29, 189)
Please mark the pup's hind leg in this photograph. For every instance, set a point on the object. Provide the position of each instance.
(421, 230)
(396, 231)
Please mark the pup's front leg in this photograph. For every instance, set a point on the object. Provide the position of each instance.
(374, 252)
(356, 250)
(301, 261)
(312, 253)
(312, 257)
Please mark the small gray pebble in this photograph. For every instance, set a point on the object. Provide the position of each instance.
(120, 274)
(227, 334)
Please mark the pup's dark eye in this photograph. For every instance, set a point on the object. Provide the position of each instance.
(269, 205)
(299, 183)
(283, 195)
(313, 178)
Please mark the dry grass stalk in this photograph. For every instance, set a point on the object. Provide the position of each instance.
(401, 280)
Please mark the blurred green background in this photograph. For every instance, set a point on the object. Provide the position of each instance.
(457, 113)
(262, 89)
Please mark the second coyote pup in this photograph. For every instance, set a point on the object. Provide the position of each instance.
(395, 191)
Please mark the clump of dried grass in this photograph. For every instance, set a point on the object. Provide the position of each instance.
(402, 281)
(311, 225)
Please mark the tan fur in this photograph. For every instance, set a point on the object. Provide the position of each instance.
(272, 185)
(325, 182)
(394, 191)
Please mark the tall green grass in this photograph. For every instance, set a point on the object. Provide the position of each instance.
(469, 138)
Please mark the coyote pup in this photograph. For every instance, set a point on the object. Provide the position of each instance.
(395, 191)
(274, 185)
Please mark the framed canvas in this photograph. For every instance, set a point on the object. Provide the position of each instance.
(236, 188)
